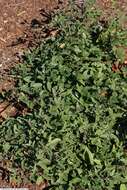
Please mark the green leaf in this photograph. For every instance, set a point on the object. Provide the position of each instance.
(6, 147)
(36, 85)
(43, 163)
(27, 79)
(40, 179)
(98, 162)
(53, 143)
(89, 155)
(75, 180)
(123, 187)
(120, 53)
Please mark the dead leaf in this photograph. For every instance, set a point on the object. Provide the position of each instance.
(6, 85)
(62, 45)
(104, 93)
(125, 62)
(4, 105)
(115, 67)
(10, 111)
(54, 33)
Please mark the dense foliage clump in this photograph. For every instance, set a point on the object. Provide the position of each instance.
(71, 134)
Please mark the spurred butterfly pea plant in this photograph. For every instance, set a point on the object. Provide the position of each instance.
(74, 135)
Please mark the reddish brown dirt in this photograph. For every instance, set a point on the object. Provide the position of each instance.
(12, 15)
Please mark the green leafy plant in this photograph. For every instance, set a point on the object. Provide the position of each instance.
(70, 136)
